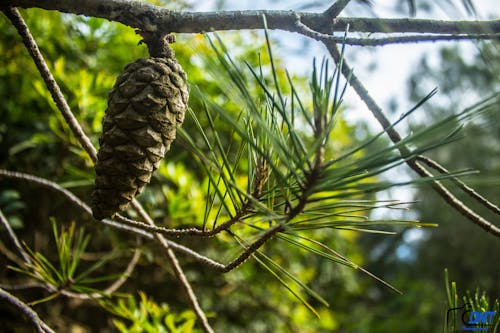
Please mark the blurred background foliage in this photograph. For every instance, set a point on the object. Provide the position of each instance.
(85, 56)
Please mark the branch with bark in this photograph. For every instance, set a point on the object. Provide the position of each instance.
(149, 17)
(40, 325)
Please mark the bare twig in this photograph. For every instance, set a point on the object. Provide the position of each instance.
(467, 189)
(72, 198)
(14, 238)
(40, 326)
(306, 31)
(137, 230)
(23, 286)
(149, 17)
(395, 137)
(50, 82)
(200, 314)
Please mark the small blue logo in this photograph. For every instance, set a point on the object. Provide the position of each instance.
(475, 321)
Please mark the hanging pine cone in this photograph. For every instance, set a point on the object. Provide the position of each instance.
(147, 102)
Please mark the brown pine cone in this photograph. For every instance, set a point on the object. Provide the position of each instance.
(148, 101)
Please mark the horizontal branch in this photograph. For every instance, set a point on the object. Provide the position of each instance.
(150, 17)
(414, 38)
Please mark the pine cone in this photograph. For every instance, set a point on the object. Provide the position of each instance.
(146, 104)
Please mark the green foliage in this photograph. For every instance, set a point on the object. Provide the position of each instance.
(146, 316)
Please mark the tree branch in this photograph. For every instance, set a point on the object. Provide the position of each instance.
(72, 198)
(306, 31)
(138, 228)
(137, 231)
(14, 239)
(464, 187)
(40, 326)
(200, 314)
(395, 137)
(150, 17)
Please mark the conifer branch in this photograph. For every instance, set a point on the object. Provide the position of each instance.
(395, 137)
(109, 290)
(464, 187)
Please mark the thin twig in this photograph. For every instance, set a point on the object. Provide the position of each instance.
(200, 314)
(306, 31)
(40, 326)
(467, 189)
(395, 137)
(253, 247)
(50, 82)
(134, 230)
(198, 257)
(24, 286)
(14, 239)
(72, 198)
(126, 273)
(138, 227)
(193, 231)
(133, 226)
